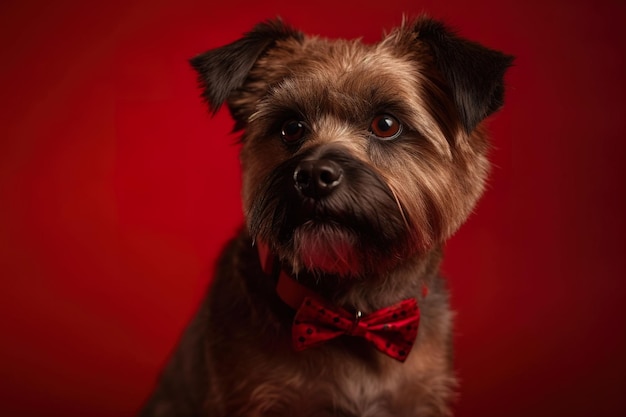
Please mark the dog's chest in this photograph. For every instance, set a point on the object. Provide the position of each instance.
(316, 388)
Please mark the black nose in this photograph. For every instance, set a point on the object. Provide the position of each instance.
(317, 178)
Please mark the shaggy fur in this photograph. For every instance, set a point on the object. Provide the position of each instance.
(369, 237)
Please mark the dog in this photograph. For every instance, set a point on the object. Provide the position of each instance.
(359, 161)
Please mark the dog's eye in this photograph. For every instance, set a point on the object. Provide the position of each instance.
(292, 131)
(385, 126)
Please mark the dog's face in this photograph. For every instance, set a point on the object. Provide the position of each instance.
(356, 157)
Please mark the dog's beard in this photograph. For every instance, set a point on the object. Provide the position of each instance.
(326, 247)
(356, 230)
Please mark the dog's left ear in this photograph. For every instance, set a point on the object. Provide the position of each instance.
(473, 72)
(223, 70)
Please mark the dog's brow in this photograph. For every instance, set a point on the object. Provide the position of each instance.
(316, 99)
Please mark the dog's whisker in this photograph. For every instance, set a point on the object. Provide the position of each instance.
(400, 209)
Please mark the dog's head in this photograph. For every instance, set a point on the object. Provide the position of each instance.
(356, 157)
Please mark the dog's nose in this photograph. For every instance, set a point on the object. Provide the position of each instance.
(317, 178)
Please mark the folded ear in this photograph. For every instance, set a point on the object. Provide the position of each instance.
(223, 70)
(474, 73)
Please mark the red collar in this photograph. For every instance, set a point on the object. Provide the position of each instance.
(391, 330)
(288, 289)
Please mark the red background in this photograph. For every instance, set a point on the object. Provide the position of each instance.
(117, 191)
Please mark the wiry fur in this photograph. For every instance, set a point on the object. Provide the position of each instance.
(372, 242)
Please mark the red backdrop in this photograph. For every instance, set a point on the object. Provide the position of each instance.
(117, 191)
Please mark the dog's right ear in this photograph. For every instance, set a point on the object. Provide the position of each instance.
(474, 73)
(223, 70)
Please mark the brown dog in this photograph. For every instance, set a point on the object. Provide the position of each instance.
(359, 161)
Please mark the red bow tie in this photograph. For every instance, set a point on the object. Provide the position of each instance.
(391, 330)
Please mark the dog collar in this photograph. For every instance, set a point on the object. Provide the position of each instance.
(290, 291)
(391, 330)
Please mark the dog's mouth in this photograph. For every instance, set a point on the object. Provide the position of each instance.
(347, 230)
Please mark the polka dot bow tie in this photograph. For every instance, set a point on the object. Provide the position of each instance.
(392, 330)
